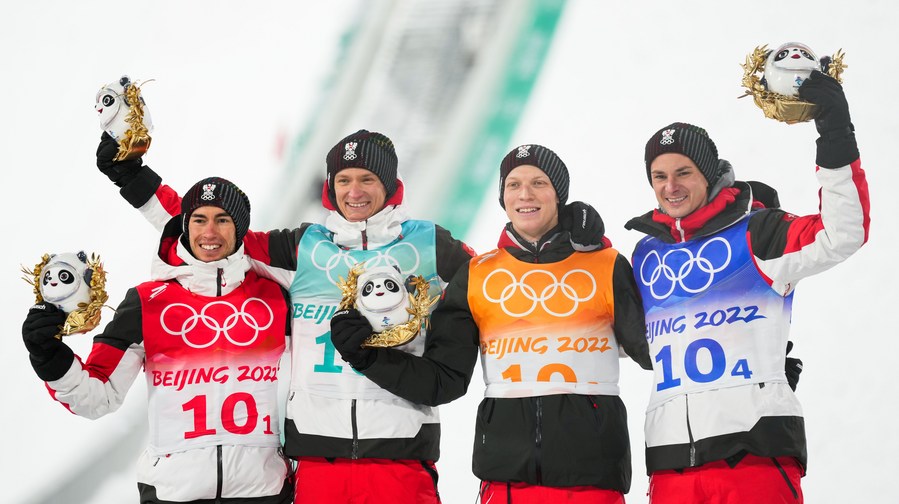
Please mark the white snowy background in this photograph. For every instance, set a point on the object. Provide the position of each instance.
(232, 78)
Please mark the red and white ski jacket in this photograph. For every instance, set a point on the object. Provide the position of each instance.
(702, 422)
(209, 337)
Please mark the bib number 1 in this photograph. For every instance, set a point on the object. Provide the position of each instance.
(329, 357)
(228, 418)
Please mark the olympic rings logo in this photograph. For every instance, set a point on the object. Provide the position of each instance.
(187, 333)
(553, 286)
(685, 276)
(334, 260)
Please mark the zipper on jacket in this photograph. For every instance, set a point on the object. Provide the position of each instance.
(355, 454)
(595, 409)
(539, 441)
(679, 229)
(218, 282)
(364, 239)
(221, 476)
(690, 434)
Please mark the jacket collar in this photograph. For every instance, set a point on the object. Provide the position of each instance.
(216, 278)
(728, 207)
(379, 230)
(510, 238)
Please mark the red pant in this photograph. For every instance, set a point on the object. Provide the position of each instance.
(365, 481)
(754, 480)
(496, 492)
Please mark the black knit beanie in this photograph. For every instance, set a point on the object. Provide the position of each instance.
(363, 149)
(689, 140)
(218, 192)
(541, 157)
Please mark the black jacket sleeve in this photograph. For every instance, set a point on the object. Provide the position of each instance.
(452, 254)
(126, 327)
(142, 187)
(443, 373)
(630, 323)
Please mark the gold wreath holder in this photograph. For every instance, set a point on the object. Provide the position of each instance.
(420, 304)
(137, 139)
(87, 316)
(788, 109)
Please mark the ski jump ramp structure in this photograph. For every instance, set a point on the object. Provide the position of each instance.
(446, 81)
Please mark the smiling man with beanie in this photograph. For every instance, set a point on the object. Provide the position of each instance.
(717, 273)
(209, 335)
(548, 322)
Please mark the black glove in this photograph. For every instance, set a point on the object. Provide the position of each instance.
(836, 142)
(584, 226)
(119, 172)
(43, 323)
(792, 368)
(348, 330)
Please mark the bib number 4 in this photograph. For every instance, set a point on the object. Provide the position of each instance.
(691, 367)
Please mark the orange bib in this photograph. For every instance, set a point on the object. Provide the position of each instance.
(545, 328)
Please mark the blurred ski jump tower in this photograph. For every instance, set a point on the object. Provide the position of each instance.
(446, 81)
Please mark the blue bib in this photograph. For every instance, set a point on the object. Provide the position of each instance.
(712, 320)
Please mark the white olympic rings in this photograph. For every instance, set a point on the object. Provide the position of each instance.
(547, 293)
(335, 256)
(220, 327)
(701, 263)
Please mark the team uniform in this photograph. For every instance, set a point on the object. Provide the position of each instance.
(548, 324)
(209, 337)
(717, 287)
(339, 425)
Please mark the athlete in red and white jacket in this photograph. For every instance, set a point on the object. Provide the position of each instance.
(209, 335)
(717, 275)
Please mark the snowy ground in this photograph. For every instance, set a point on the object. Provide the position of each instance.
(231, 78)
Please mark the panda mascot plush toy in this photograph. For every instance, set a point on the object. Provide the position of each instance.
(382, 298)
(773, 78)
(124, 116)
(74, 284)
(396, 308)
(788, 66)
(66, 281)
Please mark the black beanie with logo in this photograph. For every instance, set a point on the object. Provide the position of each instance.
(222, 193)
(364, 149)
(541, 157)
(688, 140)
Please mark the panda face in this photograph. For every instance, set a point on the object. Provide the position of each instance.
(59, 281)
(788, 66)
(107, 106)
(381, 293)
(795, 57)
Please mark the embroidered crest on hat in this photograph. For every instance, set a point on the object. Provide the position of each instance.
(208, 193)
(218, 192)
(350, 151)
(688, 140)
(367, 150)
(667, 137)
(539, 157)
